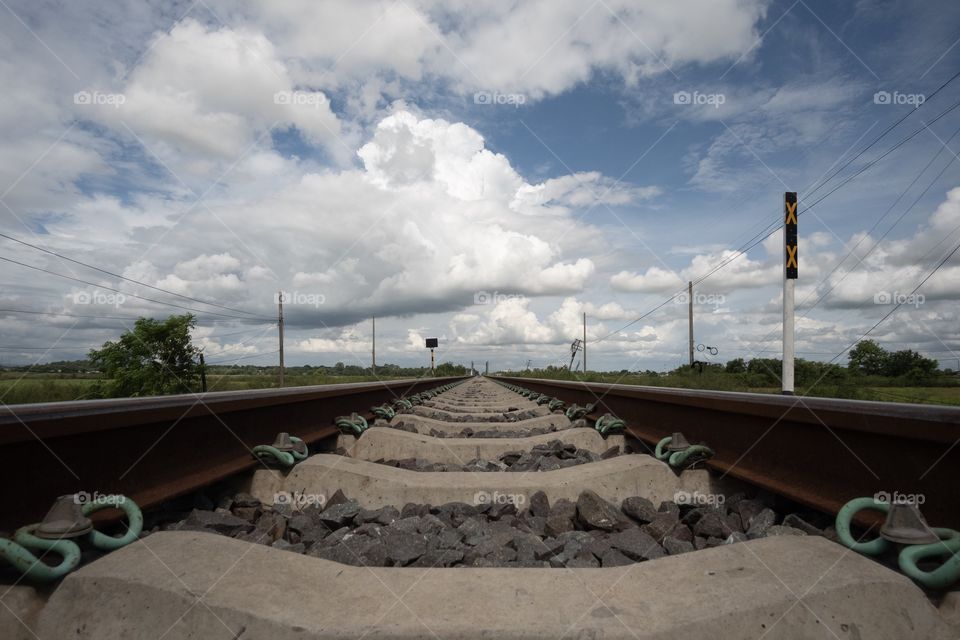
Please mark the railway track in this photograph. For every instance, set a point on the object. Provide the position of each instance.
(480, 507)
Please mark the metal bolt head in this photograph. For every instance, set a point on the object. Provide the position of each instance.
(65, 519)
(282, 442)
(678, 442)
(906, 525)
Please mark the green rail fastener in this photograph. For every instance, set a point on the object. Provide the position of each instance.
(684, 458)
(353, 425)
(285, 451)
(134, 522)
(402, 404)
(545, 400)
(944, 576)
(845, 517)
(556, 404)
(575, 412)
(20, 551)
(272, 456)
(608, 423)
(300, 451)
(911, 554)
(690, 456)
(385, 411)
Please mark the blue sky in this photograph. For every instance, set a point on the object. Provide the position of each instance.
(223, 151)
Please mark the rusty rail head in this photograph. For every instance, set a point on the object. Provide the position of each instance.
(818, 451)
(153, 449)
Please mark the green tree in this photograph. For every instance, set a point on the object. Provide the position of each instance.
(868, 358)
(737, 365)
(155, 358)
(910, 363)
(766, 370)
(450, 369)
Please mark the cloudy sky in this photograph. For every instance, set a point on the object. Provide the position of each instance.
(481, 172)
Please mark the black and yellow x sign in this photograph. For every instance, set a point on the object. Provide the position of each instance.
(791, 213)
(792, 256)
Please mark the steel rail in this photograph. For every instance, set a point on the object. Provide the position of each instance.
(818, 451)
(157, 448)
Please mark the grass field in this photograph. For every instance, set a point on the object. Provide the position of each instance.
(15, 388)
(917, 395)
(949, 394)
(51, 387)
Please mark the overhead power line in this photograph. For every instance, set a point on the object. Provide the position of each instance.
(899, 304)
(67, 315)
(885, 132)
(117, 275)
(771, 227)
(253, 355)
(891, 227)
(126, 293)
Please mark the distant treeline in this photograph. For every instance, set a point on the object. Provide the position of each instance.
(338, 369)
(868, 363)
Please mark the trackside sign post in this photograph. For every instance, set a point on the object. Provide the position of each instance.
(790, 270)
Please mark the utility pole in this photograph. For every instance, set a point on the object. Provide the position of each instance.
(584, 341)
(486, 368)
(373, 356)
(690, 317)
(203, 374)
(790, 268)
(280, 323)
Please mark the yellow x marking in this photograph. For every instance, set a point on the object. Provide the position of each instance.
(791, 212)
(792, 256)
